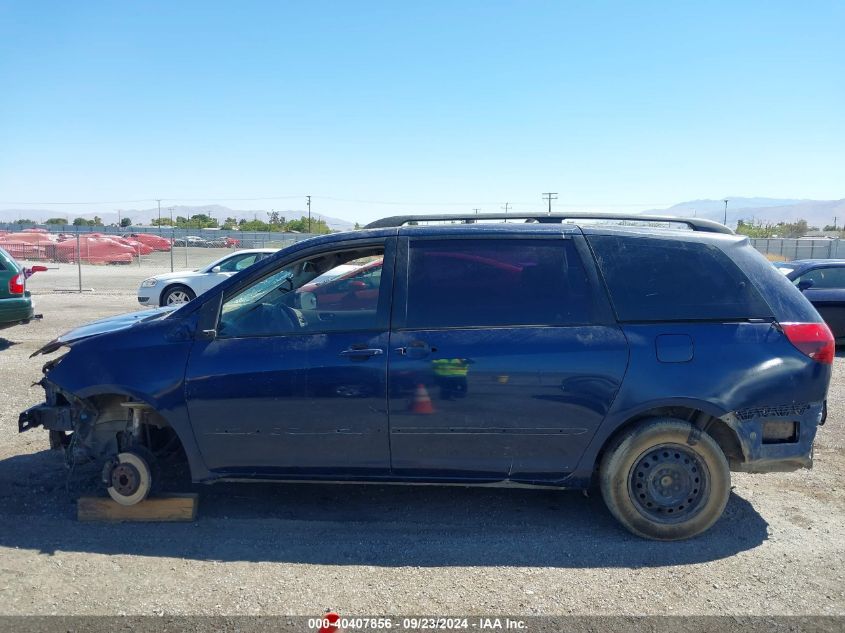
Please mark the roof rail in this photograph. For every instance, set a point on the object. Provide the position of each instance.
(696, 224)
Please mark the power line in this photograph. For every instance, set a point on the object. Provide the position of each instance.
(488, 203)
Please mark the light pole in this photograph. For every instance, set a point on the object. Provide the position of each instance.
(159, 216)
(726, 211)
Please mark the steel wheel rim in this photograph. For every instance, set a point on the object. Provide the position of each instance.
(177, 296)
(669, 483)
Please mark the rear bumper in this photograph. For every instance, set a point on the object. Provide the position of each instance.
(15, 310)
(762, 454)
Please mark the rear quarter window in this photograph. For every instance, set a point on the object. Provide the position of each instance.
(674, 280)
(787, 302)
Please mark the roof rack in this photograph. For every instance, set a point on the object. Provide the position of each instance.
(696, 224)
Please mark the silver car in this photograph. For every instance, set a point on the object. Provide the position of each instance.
(181, 287)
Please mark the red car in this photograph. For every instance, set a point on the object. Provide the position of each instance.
(354, 290)
(157, 242)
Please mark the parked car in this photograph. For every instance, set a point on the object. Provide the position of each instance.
(182, 286)
(15, 300)
(223, 242)
(191, 240)
(357, 288)
(823, 283)
(649, 361)
(157, 242)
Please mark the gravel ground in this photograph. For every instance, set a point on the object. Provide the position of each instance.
(301, 549)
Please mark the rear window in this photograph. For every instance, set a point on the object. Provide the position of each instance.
(673, 280)
(473, 283)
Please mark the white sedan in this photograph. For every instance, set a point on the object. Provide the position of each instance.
(181, 287)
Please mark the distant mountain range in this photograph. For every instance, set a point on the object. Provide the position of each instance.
(145, 216)
(817, 212)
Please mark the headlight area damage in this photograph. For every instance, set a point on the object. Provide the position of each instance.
(127, 436)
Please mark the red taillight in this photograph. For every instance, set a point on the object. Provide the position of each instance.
(813, 339)
(16, 284)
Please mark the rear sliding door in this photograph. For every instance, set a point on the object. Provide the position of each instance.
(504, 357)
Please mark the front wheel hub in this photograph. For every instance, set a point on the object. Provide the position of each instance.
(125, 479)
(669, 483)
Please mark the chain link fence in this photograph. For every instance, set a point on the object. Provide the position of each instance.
(139, 252)
(788, 249)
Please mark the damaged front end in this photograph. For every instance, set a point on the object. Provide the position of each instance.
(90, 429)
(61, 414)
(112, 399)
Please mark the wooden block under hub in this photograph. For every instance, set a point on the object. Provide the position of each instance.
(169, 507)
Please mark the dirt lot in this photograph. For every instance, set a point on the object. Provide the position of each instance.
(263, 549)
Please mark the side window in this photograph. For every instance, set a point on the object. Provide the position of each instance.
(833, 277)
(238, 263)
(288, 301)
(673, 280)
(477, 282)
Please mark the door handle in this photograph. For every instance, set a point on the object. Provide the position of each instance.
(417, 349)
(362, 352)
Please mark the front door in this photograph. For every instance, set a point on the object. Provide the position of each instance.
(504, 358)
(289, 387)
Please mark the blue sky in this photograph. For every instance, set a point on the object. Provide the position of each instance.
(441, 106)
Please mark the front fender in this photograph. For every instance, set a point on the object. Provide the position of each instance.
(145, 363)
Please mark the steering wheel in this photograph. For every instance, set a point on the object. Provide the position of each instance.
(291, 315)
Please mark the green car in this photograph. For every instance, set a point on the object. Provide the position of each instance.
(15, 300)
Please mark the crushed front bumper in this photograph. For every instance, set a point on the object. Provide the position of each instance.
(52, 418)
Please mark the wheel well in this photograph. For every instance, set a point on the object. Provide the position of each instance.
(723, 434)
(112, 423)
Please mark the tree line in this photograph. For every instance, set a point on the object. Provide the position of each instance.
(276, 223)
(758, 228)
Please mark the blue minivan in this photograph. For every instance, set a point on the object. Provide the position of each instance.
(651, 358)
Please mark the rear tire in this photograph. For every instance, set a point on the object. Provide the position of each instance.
(659, 486)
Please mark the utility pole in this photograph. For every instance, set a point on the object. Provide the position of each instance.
(309, 213)
(172, 233)
(476, 211)
(507, 204)
(834, 222)
(726, 211)
(118, 218)
(159, 219)
(550, 196)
